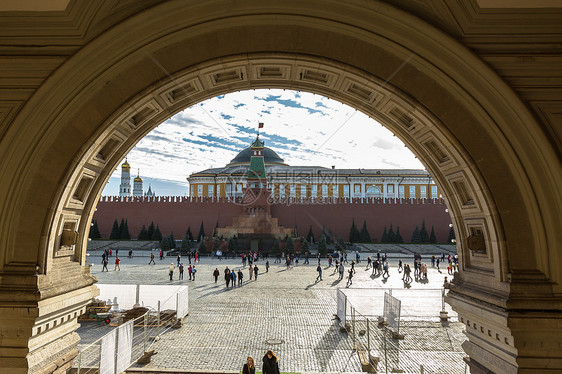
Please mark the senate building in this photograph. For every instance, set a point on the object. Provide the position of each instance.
(303, 181)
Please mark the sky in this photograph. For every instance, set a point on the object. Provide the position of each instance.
(303, 128)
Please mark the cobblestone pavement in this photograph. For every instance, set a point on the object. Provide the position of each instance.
(285, 310)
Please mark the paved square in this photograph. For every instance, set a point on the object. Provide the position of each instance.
(287, 311)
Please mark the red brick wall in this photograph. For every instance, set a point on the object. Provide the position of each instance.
(177, 214)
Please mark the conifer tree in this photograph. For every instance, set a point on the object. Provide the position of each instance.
(275, 247)
(451, 235)
(310, 236)
(94, 231)
(330, 236)
(289, 245)
(398, 237)
(364, 236)
(304, 246)
(172, 240)
(201, 234)
(142, 233)
(124, 234)
(157, 235)
(391, 235)
(150, 231)
(322, 246)
(185, 244)
(423, 233)
(432, 237)
(121, 228)
(114, 231)
(166, 243)
(340, 245)
(416, 237)
(353, 233)
(231, 245)
(384, 237)
(202, 247)
(188, 234)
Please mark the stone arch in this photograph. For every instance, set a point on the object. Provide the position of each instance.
(463, 122)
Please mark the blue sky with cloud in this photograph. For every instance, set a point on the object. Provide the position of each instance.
(303, 128)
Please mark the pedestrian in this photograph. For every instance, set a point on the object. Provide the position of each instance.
(319, 270)
(256, 272)
(130, 253)
(407, 278)
(105, 265)
(180, 268)
(216, 274)
(227, 276)
(233, 275)
(240, 276)
(353, 266)
(196, 256)
(152, 259)
(189, 271)
(251, 269)
(342, 269)
(179, 259)
(267, 266)
(385, 270)
(306, 261)
(400, 265)
(368, 263)
(171, 270)
(349, 278)
(249, 366)
(117, 261)
(161, 254)
(270, 363)
(193, 271)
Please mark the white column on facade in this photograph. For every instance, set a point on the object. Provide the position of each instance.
(362, 189)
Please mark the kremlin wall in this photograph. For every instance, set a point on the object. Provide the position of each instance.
(288, 198)
(175, 213)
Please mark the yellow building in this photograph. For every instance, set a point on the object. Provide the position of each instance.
(313, 181)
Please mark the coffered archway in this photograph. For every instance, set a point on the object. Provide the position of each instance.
(479, 141)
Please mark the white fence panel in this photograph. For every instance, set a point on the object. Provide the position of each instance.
(107, 354)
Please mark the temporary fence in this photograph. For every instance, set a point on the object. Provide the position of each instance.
(118, 349)
(373, 319)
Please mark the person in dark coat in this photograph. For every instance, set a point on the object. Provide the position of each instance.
(270, 363)
(249, 366)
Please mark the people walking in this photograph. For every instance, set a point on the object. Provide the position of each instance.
(267, 266)
(233, 275)
(181, 271)
(117, 262)
(171, 270)
(193, 271)
(227, 276)
(319, 270)
(270, 363)
(152, 259)
(256, 272)
(400, 265)
(104, 264)
(189, 271)
(341, 270)
(249, 366)
(349, 278)
(240, 277)
(251, 269)
(216, 274)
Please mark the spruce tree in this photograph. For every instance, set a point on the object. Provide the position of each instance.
(398, 237)
(94, 231)
(384, 237)
(202, 247)
(364, 236)
(231, 245)
(416, 237)
(340, 245)
(423, 233)
(304, 246)
(157, 235)
(165, 243)
(188, 234)
(275, 248)
(451, 235)
(330, 236)
(172, 240)
(353, 233)
(150, 232)
(185, 244)
(289, 245)
(121, 228)
(201, 234)
(310, 236)
(124, 234)
(143, 233)
(391, 235)
(432, 237)
(114, 231)
(322, 245)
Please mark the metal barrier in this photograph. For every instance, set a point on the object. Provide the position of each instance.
(124, 345)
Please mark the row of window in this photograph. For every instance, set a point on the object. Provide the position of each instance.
(281, 189)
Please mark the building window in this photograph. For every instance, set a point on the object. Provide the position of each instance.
(282, 190)
(356, 190)
(390, 188)
(373, 190)
(423, 191)
(303, 190)
(218, 190)
(228, 189)
(325, 190)
(401, 191)
(412, 192)
(314, 190)
(199, 190)
(191, 190)
(211, 190)
(434, 191)
(335, 190)
(238, 188)
(346, 190)
(293, 190)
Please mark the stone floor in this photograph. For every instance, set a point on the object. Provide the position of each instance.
(288, 311)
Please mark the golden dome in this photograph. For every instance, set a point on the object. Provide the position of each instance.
(138, 179)
(126, 165)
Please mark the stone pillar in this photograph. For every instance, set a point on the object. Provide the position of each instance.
(39, 317)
